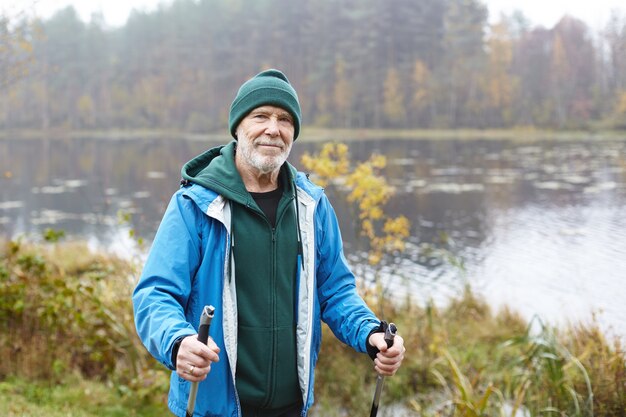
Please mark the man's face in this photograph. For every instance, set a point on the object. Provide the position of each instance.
(264, 138)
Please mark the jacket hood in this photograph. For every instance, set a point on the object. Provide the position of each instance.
(215, 169)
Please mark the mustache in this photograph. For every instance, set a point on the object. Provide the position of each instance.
(269, 142)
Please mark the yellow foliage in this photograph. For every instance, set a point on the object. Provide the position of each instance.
(331, 163)
(369, 190)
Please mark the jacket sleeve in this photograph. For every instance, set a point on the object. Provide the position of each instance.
(163, 290)
(342, 308)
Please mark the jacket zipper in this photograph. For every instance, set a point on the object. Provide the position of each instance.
(273, 299)
(273, 284)
(273, 307)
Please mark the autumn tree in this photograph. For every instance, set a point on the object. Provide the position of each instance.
(615, 37)
(614, 65)
(619, 112)
(422, 95)
(17, 35)
(394, 107)
(499, 85)
(342, 95)
(463, 34)
(559, 70)
(15, 50)
(367, 189)
(574, 71)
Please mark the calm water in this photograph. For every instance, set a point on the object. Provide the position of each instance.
(540, 226)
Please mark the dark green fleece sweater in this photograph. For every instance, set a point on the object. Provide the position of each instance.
(265, 274)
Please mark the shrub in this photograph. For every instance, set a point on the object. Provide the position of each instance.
(63, 309)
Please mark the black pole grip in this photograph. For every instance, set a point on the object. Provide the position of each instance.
(205, 324)
(203, 336)
(390, 334)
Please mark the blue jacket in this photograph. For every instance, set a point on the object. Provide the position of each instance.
(189, 267)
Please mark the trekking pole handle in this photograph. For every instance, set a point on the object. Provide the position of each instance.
(203, 336)
(390, 334)
(205, 324)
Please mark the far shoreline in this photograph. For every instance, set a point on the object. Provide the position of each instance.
(312, 134)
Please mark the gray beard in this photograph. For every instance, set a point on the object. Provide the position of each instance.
(265, 164)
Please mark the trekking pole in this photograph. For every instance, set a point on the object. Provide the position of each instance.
(390, 333)
(203, 336)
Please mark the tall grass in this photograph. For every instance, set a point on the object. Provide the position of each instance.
(66, 317)
(465, 360)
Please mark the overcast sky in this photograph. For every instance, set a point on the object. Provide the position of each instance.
(540, 12)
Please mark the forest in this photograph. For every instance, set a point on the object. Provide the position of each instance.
(432, 64)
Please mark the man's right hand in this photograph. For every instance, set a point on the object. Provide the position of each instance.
(194, 358)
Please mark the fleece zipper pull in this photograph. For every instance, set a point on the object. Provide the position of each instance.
(300, 248)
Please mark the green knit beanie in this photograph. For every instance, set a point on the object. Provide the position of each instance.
(270, 87)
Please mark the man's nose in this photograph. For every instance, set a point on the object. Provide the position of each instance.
(272, 126)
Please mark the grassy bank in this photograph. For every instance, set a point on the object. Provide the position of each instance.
(72, 396)
(69, 348)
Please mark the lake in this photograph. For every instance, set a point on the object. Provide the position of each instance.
(537, 225)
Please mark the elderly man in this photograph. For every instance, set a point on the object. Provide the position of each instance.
(253, 237)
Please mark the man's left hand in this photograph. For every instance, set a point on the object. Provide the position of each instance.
(388, 360)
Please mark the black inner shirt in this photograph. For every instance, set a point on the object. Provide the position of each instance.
(268, 203)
